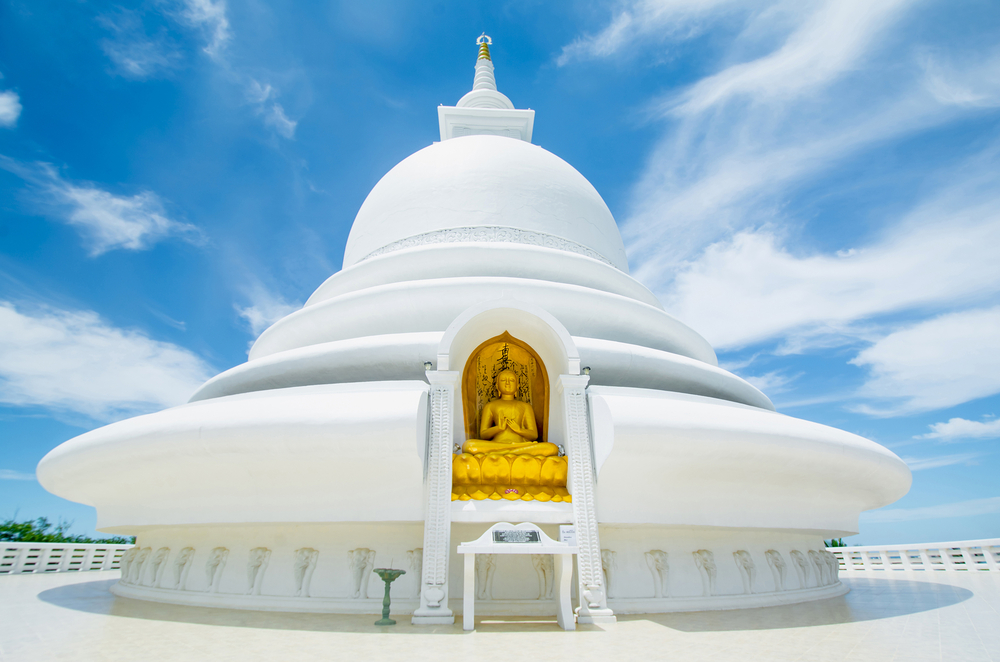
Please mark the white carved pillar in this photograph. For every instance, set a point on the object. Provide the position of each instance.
(433, 609)
(579, 449)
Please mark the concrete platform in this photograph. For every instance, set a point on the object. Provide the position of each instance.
(886, 616)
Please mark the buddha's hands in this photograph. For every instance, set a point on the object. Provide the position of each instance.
(514, 427)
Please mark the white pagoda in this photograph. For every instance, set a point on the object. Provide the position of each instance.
(483, 356)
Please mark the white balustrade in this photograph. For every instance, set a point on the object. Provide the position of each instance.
(957, 556)
(38, 557)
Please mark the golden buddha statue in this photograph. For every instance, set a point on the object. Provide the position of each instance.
(509, 462)
(508, 425)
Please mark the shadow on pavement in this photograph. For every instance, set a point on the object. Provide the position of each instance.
(869, 599)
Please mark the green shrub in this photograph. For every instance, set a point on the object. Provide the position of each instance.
(42, 530)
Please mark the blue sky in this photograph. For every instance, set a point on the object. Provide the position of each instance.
(814, 187)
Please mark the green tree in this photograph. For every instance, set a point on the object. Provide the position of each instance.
(836, 542)
(42, 530)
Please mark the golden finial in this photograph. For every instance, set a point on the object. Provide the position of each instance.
(484, 47)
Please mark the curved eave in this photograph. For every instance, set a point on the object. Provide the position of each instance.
(431, 305)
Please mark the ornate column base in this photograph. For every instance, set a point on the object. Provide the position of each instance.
(593, 607)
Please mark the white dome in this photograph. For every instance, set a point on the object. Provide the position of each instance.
(485, 188)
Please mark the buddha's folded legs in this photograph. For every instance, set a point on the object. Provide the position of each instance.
(481, 446)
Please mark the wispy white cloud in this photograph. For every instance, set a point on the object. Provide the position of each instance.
(275, 117)
(106, 220)
(730, 158)
(72, 360)
(940, 254)
(134, 53)
(924, 463)
(210, 17)
(642, 20)
(957, 429)
(827, 43)
(263, 97)
(941, 362)
(949, 510)
(775, 381)
(10, 474)
(265, 309)
(180, 325)
(974, 83)
(10, 108)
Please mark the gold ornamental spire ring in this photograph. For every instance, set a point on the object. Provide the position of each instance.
(484, 42)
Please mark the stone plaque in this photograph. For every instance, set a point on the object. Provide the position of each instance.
(515, 536)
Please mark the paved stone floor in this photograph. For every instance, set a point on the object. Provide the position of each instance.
(891, 616)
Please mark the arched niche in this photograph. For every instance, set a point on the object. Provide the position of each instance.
(504, 352)
(529, 323)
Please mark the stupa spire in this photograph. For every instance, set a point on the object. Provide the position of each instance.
(484, 79)
(484, 110)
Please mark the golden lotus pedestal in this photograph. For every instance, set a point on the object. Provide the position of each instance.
(512, 477)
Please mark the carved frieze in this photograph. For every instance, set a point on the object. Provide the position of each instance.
(801, 565)
(704, 560)
(545, 569)
(214, 566)
(256, 565)
(486, 568)
(302, 570)
(182, 565)
(125, 564)
(747, 568)
(609, 565)
(361, 562)
(493, 235)
(157, 564)
(778, 568)
(656, 561)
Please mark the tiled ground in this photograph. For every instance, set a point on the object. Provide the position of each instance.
(902, 616)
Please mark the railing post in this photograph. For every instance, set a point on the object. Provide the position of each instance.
(88, 553)
(65, 559)
(109, 558)
(970, 558)
(850, 558)
(991, 561)
(925, 556)
(43, 558)
(18, 565)
(904, 557)
(947, 557)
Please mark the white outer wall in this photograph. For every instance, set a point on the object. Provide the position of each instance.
(677, 459)
(515, 582)
(317, 453)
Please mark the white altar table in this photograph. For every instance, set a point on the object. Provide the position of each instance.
(526, 538)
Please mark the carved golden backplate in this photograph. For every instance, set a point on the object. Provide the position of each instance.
(479, 381)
